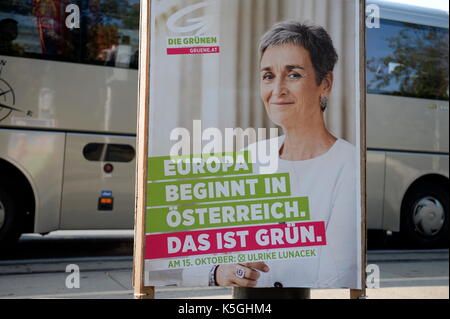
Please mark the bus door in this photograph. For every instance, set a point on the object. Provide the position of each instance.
(97, 182)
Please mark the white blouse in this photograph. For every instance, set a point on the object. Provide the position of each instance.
(329, 182)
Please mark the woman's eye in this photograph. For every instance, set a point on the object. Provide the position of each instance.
(295, 75)
(267, 76)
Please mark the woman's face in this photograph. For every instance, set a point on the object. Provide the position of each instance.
(288, 85)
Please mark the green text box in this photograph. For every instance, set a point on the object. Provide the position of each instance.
(157, 166)
(161, 193)
(275, 209)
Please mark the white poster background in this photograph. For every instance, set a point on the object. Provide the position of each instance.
(222, 90)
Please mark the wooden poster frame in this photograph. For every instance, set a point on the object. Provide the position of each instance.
(361, 293)
(140, 291)
(146, 292)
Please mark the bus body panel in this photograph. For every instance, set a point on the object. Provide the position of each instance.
(60, 89)
(407, 124)
(67, 96)
(407, 120)
(402, 169)
(84, 181)
(40, 157)
(56, 98)
(376, 163)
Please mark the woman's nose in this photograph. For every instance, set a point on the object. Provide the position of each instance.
(279, 87)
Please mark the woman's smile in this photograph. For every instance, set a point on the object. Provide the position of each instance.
(281, 103)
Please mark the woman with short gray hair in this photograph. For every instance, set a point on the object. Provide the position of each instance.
(296, 79)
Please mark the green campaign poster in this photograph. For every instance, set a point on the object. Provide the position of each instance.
(253, 171)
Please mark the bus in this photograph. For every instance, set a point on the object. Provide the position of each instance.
(68, 101)
(68, 98)
(408, 124)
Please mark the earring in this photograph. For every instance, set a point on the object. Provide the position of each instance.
(323, 103)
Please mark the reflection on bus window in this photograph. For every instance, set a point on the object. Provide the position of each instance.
(108, 33)
(93, 151)
(119, 153)
(114, 152)
(8, 33)
(408, 60)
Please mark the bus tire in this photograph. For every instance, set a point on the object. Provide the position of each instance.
(9, 219)
(424, 222)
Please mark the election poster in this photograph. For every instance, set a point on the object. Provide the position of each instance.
(252, 168)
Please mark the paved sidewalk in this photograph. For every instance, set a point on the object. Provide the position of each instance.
(414, 276)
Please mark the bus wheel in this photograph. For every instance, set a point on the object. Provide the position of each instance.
(425, 217)
(9, 220)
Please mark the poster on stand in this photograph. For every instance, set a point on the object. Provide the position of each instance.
(253, 170)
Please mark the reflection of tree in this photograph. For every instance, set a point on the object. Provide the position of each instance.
(106, 19)
(46, 13)
(418, 63)
(55, 38)
(102, 46)
(14, 6)
(131, 20)
(100, 35)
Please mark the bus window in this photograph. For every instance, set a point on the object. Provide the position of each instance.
(93, 151)
(108, 33)
(119, 153)
(407, 60)
(114, 152)
(112, 32)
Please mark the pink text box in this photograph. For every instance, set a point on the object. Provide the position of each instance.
(220, 240)
(193, 50)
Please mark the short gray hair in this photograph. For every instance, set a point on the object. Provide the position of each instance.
(314, 39)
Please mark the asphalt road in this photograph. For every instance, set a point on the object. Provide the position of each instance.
(70, 244)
